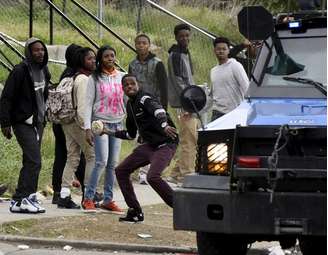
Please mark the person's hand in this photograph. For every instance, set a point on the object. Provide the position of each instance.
(107, 131)
(6, 131)
(76, 184)
(287, 19)
(170, 132)
(186, 116)
(89, 136)
(247, 43)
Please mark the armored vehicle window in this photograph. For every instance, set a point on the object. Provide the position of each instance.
(309, 51)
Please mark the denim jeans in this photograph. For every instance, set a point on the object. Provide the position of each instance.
(107, 150)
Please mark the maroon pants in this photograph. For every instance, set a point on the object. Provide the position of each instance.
(159, 159)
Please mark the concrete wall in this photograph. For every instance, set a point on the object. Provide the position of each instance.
(57, 52)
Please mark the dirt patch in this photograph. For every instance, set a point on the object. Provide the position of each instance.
(106, 227)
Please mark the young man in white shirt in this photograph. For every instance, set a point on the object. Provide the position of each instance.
(229, 80)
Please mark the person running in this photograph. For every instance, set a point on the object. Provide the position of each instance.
(229, 80)
(104, 101)
(152, 78)
(147, 116)
(74, 132)
(180, 74)
(22, 109)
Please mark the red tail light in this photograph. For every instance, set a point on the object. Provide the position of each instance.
(249, 161)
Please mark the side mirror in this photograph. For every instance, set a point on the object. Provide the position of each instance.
(255, 23)
(193, 100)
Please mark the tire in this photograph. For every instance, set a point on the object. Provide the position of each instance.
(220, 244)
(311, 245)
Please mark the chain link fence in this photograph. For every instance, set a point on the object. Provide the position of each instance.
(125, 18)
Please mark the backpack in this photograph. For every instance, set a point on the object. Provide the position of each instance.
(60, 107)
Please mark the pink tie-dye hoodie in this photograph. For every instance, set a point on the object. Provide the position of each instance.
(104, 99)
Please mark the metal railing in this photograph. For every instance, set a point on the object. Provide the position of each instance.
(53, 22)
(126, 43)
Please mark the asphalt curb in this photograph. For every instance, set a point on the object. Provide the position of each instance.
(102, 246)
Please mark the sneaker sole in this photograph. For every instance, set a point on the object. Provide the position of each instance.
(89, 211)
(27, 212)
(63, 207)
(111, 212)
(131, 222)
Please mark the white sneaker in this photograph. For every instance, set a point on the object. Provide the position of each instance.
(14, 206)
(143, 179)
(31, 205)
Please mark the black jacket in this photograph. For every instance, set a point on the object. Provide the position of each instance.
(18, 100)
(146, 115)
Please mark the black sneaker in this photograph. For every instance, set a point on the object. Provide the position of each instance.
(67, 203)
(133, 216)
(55, 198)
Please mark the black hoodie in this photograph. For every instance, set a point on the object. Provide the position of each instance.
(18, 99)
(70, 56)
(146, 116)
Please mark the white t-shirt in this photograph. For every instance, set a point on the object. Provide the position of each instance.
(229, 85)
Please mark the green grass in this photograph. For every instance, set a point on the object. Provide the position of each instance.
(11, 159)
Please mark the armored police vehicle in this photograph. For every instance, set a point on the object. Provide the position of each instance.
(261, 169)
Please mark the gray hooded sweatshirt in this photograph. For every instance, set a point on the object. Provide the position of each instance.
(38, 77)
(180, 74)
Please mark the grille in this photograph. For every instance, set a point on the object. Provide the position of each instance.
(214, 152)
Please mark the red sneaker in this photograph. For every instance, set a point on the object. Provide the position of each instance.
(88, 205)
(112, 207)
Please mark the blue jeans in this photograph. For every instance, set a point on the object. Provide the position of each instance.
(107, 152)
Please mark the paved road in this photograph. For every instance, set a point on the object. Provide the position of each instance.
(145, 194)
(13, 249)
(147, 197)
